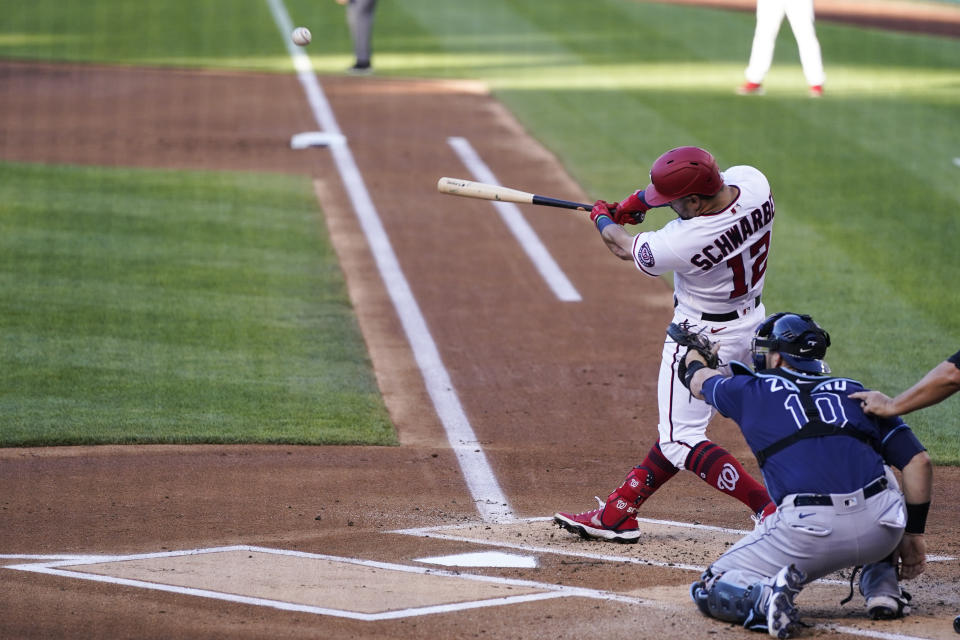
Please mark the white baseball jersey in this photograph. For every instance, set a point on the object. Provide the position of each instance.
(719, 262)
(719, 259)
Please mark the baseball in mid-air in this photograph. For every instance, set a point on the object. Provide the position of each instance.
(301, 36)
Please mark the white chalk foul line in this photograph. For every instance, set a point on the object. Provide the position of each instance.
(47, 557)
(481, 481)
(866, 633)
(551, 272)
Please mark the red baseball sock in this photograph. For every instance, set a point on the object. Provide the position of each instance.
(717, 467)
(641, 483)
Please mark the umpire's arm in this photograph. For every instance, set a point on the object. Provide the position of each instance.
(939, 384)
(917, 476)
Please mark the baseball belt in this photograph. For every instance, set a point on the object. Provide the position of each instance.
(813, 499)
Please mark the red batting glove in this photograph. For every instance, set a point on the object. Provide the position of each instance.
(600, 211)
(632, 210)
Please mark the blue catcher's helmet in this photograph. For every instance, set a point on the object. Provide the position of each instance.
(797, 338)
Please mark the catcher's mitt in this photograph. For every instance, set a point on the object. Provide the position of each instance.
(693, 341)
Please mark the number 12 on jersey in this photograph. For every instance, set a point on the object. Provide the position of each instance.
(758, 253)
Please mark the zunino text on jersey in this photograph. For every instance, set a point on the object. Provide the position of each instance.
(767, 407)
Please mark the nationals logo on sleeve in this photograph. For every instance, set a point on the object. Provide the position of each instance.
(645, 255)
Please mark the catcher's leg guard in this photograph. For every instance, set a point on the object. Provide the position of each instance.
(730, 603)
(699, 590)
(699, 596)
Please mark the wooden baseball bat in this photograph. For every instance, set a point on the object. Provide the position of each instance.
(483, 191)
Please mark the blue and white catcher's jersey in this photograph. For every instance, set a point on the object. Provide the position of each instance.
(768, 407)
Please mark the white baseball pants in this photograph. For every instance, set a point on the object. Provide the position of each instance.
(683, 418)
(770, 15)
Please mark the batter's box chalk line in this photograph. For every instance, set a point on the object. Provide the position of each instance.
(490, 531)
(104, 569)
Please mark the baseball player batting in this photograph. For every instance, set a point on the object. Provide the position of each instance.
(826, 464)
(717, 248)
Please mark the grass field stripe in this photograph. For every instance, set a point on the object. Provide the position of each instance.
(551, 272)
(481, 481)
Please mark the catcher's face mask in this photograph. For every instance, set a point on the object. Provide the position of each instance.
(797, 338)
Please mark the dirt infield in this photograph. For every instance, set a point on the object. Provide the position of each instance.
(306, 542)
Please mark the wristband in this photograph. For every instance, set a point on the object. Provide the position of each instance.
(692, 368)
(602, 222)
(917, 517)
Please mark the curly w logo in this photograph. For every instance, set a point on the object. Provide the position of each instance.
(727, 480)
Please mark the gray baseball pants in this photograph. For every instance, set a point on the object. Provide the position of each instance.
(821, 539)
(360, 20)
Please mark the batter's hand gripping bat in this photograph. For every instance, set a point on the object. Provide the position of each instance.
(470, 189)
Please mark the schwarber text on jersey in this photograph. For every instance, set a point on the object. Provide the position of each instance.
(734, 236)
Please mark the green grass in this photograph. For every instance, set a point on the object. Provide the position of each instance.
(864, 179)
(150, 306)
(216, 33)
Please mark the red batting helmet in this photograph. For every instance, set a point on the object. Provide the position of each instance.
(682, 172)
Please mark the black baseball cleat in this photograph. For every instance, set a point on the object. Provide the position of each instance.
(889, 607)
(878, 610)
(782, 614)
(361, 68)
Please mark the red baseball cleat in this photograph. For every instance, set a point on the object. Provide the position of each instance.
(816, 91)
(589, 524)
(750, 89)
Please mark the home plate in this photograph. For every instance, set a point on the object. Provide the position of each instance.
(483, 559)
(309, 139)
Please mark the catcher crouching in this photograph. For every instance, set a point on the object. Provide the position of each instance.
(826, 465)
